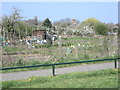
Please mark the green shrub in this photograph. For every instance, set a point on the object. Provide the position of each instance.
(101, 29)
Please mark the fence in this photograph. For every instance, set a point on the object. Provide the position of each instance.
(53, 65)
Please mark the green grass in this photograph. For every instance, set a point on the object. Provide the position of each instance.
(13, 49)
(80, 38)
(62, 60)
(93, 79)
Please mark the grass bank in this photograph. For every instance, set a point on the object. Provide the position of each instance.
(93, 79)
(35, 62)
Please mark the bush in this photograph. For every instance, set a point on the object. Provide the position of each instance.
(101, 29)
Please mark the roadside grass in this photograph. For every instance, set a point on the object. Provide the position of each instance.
(94, 79)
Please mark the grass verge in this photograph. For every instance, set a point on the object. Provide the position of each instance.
(34, 62)
(94, 79)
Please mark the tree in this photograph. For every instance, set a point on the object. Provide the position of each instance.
(67, 21)
(111, 27)
(101, 29)
(47, 23)
(14, 27)
(25, 29)
(91, 21)
(10, 24)
(87, 27)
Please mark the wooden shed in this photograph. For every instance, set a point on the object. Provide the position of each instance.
(40, 34)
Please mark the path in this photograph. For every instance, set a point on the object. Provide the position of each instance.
(58, 71)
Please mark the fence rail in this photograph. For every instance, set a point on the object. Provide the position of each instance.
(53, 65)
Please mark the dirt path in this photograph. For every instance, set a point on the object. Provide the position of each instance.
(58, 71)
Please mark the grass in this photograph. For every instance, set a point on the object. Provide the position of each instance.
(79, 38)
(20, 62)
(13, 49)
(94, 79)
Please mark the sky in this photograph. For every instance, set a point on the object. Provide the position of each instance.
(106, 12)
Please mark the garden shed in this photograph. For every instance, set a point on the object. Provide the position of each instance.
(41, 34)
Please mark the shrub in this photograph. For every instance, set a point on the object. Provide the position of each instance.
(101, 29)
